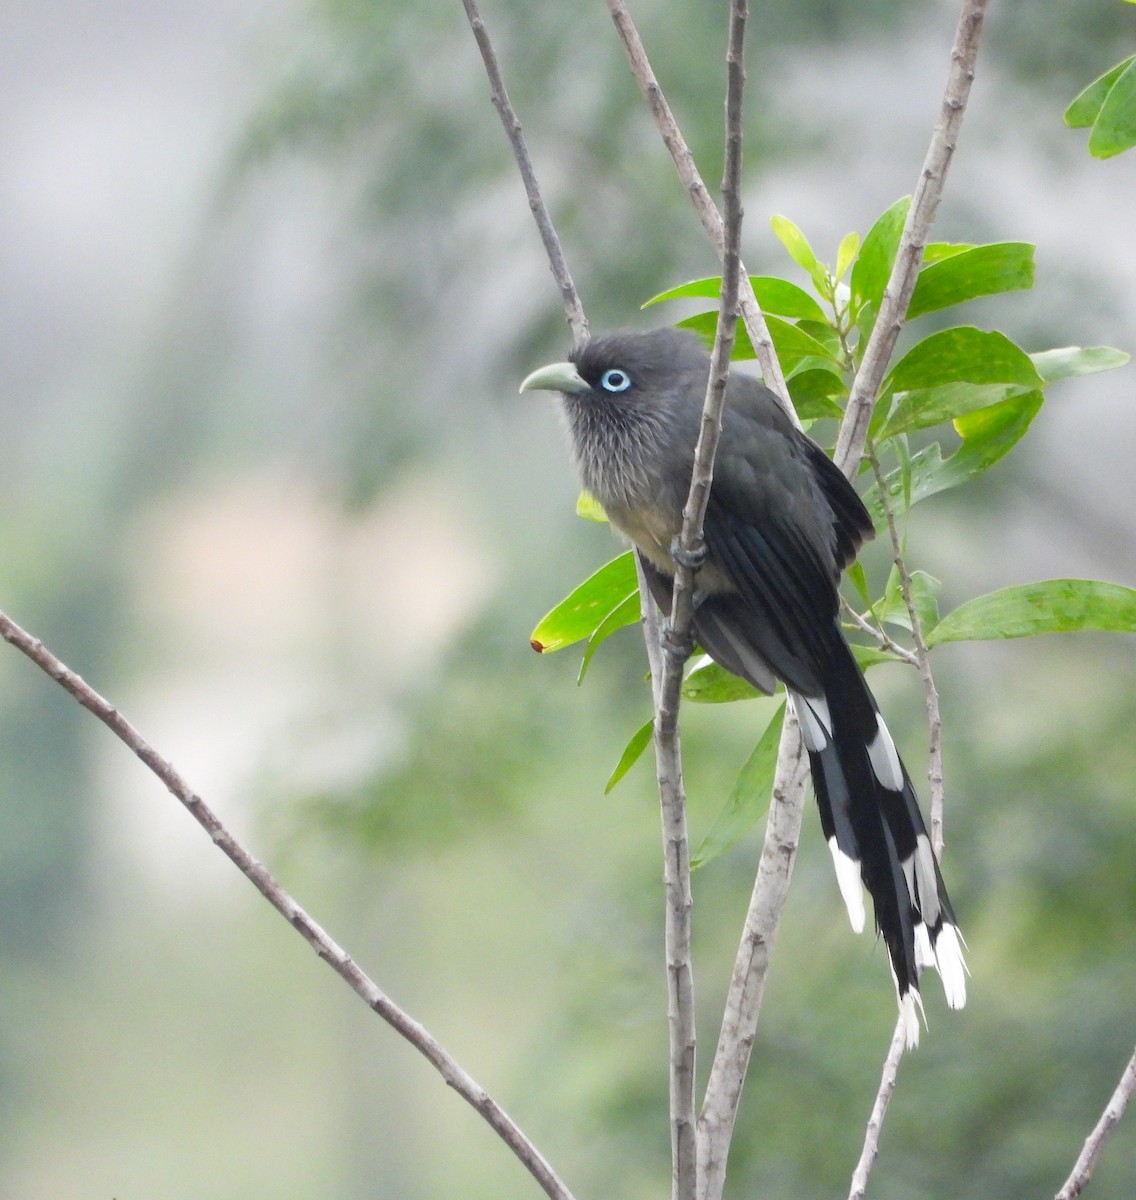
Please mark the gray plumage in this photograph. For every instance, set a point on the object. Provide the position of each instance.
(781, 524)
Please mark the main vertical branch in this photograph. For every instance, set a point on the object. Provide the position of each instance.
(676, 646)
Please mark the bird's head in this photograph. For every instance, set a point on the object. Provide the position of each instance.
(630, 369)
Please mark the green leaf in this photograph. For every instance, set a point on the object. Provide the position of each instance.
(800, 251)
(709, 683)
(1067, 361)
(639, 742)
(924, 407)
(582, 612)
(1051, 606)
(935, 252)
(773, 295)
(873, 265)
(924, 592)
(1087, 105)
(622, 615)
(972, 272)
(871, 656)
(813, 384)
(988, 435)
(963, 354)
(1114, 130)
(589, 508)
(846, 254)
(859, 580)
(792, 344)
(748, 798)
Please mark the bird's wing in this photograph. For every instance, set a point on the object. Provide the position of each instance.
(783, 602)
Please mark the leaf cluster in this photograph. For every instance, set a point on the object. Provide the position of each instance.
(1107, 108)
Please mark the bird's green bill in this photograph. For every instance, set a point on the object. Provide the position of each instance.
(556, 377)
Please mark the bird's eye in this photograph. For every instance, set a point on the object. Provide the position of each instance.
(615, 380)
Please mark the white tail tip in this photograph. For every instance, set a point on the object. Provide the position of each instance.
(848, 880)
(951, 964)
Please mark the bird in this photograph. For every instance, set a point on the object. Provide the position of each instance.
(782, 523)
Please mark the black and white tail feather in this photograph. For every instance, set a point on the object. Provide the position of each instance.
(875, 831)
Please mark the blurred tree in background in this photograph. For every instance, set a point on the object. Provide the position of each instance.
(269, 285)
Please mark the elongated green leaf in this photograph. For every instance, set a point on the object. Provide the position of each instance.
(622, 615)
(1087, 104)
(748, 798)
(1114, 130)
(963, 354)
(639, 742)
(975, 271)
(1066, 361)
(581, 613)
(924, 407)
(846, 253)
(988, 435)
(1051, 606)
(792, 344)
(774, 295)
(873, 265)
(871, 656)
(708, 683)
(800, 251)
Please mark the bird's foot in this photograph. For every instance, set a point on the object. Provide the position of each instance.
(692, 560)
(676, 647)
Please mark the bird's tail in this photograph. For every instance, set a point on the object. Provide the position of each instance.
(874, 828)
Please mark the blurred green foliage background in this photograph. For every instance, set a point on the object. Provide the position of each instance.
(268, 285)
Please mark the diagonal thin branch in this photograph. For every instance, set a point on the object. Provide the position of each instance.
(1098, 1139)
(924, 204)
(922, 662)
(880, 635)
(573, 309)
(879, 1111)
(260, 877)
(712, 220)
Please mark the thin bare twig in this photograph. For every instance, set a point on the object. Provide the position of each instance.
(924, 204)
(879, 1111)
(257, 874)
(923, 662)
(1098, 1139)
(853, 435)
(573, 309)
(880, 635)
(712, 220)
(935, 774)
